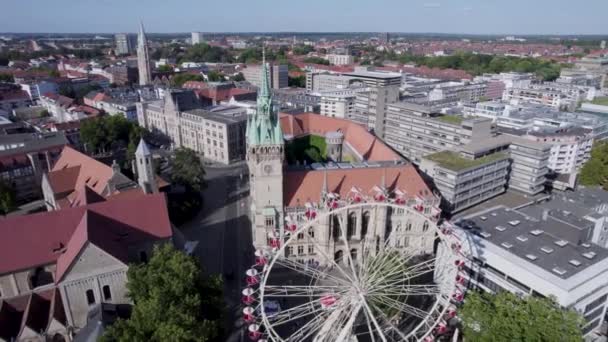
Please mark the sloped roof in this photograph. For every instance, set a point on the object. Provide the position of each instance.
(300, 187)
(44, 238)
(356, 136)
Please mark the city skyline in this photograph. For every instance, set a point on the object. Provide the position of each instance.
(541, 17)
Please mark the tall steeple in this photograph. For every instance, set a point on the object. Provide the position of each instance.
(264, 127)
(143, 59)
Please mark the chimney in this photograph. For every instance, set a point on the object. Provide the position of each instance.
(115, 167)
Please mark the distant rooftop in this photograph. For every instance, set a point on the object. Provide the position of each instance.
(452, 119)
(454, 161)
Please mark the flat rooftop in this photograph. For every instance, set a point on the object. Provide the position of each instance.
(540, 242)
(455, 162)
(224, 114)
(29, 142)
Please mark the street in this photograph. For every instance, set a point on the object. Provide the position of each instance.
(223, 231)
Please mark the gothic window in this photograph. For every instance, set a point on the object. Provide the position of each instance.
(408, 226)
(351, 225)
(406, 242)
(107, 294)
(300, 236)
(353, 254)
(269, 221)
(335, 227)
(425, 226)
(311, 249)
(338, 257)
(90, 297)
(289, 250)
(300, 250)
(311, 232)
(364, 224)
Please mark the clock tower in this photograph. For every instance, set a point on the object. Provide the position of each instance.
(265, 158)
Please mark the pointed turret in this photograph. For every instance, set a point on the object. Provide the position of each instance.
(145, 168)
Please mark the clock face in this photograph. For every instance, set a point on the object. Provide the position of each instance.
(267, 169)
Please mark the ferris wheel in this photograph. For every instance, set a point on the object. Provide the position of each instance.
(366, 287)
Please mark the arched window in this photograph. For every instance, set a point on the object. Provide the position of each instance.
(351, 225)
(335, 222)
(408, 226)
(107, 294)
(425, 226)
(90, 297)
(364, 224)
(338, 257)
(353, 254)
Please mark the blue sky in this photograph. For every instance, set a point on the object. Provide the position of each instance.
(445, 16)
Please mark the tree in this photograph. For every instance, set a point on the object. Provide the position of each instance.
(7, 198)
(595, 170)
(188, 170)
(506, 317)
(316, 60)
(164, 68)
(205, 53)
(238, 77)
(179, 79)
(110, 132)
(7, 78)
(172, 301)
(298, 81)
(215, 76)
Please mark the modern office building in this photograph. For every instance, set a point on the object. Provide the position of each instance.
(326, 81)
(335, 59)
(417, 130)
(464, 179)
(538, 251)
(124, 43)
(278, 75)
(459, 91)
(338, 104)
(296, 99)
(197, 38)
(371, 106)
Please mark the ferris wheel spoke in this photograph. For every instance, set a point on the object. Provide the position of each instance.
(374, 320)
(309, 328)
(401, 307)
(369, 326)
(301, 290)
(309, 271)
(408, 290)
(391, 326)
(320, 249)
(295, 313)
(351, 263)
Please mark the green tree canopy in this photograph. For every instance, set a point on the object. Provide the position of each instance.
(172, 301)
(7, 198)
(108, 132)
(316, 60)
(298, 81)
(504, 317)
(165, 68)
(238, 77)
(595, 170)
(187, 170)
(215, 76)
(6, 78)
(179, 79)
(206, 53)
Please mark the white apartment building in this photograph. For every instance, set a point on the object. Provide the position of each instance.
(544, 253)
(326, 81)
(197, 38)
(509, 79)
(335, 59)
(279, 75)
(570, 148)
(339, 103)
(216, 132)
(458, 91)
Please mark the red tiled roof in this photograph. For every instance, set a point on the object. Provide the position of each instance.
(300, 187)
(38, 239)
(356, 136)
(92, 173)
(64, 181)
(14, 95)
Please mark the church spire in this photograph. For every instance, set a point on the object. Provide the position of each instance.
(143, 59)
(265, 87)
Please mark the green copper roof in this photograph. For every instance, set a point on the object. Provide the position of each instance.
(263, 127)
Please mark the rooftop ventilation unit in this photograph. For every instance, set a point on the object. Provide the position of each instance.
(483, 218)
(536, 232)
(514, 222)
(574, 262)
(547, 250)
(501, 228)
(522, 238)
(589, 255)
(559, 270)
(485, 235)
(531, 257)
(506, 245)
(561, 243)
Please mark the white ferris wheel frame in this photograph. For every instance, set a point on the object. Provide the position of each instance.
(448, 260)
